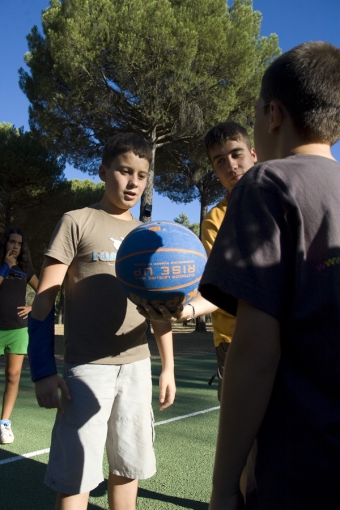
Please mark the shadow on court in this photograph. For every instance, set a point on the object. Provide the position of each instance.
(190, 372)
(180, 502)
(22, 486)
(154, 497)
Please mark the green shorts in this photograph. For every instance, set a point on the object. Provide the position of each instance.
(13, 341)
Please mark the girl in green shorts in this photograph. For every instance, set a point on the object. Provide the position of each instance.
(15, 273)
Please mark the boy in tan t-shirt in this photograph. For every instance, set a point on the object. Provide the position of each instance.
(106, 388)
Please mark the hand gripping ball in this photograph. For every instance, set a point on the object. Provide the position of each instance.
(160, 263)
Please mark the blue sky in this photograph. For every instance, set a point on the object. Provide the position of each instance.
(294, 21)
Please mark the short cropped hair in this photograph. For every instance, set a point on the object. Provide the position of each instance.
(223, 132)
(24, 258)
(126, 142)
(307, 81)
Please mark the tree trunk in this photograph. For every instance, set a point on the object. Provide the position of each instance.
(146, 200)
(200, 324)
(203, 212)
(200, 321)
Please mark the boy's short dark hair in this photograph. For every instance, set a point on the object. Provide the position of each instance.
(223, 132)
(307, 81)
(126, 142)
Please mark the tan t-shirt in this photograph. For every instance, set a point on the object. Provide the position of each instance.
(101, 324)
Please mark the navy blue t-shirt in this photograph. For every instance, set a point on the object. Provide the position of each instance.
(279, 249)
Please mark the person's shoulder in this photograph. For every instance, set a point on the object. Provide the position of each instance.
(286, 167)
(217, 210)
(286, 178)
(274, 173)
(84, 212)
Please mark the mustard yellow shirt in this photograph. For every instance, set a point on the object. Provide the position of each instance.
(223, 323)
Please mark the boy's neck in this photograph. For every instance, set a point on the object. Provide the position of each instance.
(288, 143)
(109, 208)
(314, 149)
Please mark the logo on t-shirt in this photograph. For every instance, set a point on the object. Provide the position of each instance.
(106, 256)
(328, 263)
(16, 273)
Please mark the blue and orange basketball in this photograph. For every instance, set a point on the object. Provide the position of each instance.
(160, 263)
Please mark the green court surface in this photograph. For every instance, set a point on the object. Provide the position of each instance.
(185, 446)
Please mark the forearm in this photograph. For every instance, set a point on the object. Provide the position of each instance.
(201, 306)
(43, 303)
(167, 386)
(163, 335)
(247, 385)
(41, 321)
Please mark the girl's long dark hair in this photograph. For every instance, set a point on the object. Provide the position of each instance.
(24, 258)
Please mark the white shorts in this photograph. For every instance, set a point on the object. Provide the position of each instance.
(111, 404)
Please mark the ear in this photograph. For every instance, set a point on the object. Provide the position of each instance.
(212, 167)
(102, 172)
(253, 154)
(276, 116)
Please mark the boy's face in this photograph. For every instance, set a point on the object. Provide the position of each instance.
(125, 181)
(230, 161)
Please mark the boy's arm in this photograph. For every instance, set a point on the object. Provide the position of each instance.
(167, 386)
(182, 313)
(51, 278)
(34, 282)
(23, 311)
(209, 233)
(250, 372)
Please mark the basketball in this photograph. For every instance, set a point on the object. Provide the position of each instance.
(160, 263)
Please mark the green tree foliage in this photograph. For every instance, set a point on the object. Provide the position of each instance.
(166, 70)
(186, 175)
(183, 219)
(33, 190)
(30, 175)
(80, 194)
(41, 221)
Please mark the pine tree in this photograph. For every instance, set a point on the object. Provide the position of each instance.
(166, 70)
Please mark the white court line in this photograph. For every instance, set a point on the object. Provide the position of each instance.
(46, 450)
(24, 456)
(187, 416)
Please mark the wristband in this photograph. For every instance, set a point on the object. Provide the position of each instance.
(4, 270)
(193, 312)
(41, 346)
